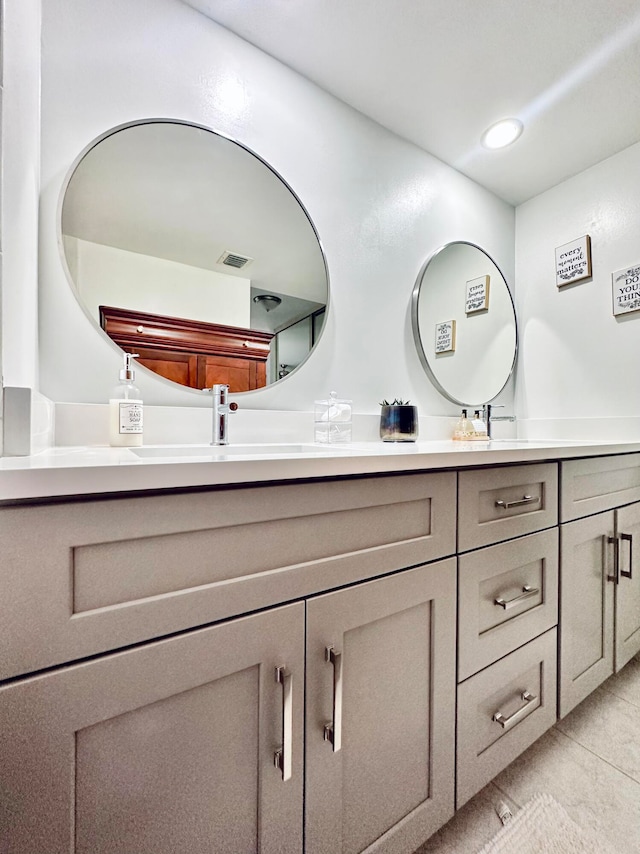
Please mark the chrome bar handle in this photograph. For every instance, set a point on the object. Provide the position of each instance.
(527, 593)
(282, 758)
(629, 539)
(499, 718)
(526, 499)
(333, 729)
(615, 542)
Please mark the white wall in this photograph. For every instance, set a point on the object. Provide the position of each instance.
(380, 205)
(576, 375)
(20, 146)
(107, 275)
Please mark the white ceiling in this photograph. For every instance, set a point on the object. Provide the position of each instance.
(439, 72)
(181, 193)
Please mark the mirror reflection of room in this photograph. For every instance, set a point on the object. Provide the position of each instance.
(189, 250)
(462, 294)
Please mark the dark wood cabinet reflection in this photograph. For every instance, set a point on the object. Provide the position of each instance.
(191, 352)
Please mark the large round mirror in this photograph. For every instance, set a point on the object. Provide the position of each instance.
(464, 324)
(188, 249)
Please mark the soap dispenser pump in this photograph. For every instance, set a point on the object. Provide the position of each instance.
(125, 409)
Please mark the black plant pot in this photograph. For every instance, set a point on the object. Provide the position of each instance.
(399, 423)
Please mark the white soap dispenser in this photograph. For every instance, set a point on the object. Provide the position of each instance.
(125, 409)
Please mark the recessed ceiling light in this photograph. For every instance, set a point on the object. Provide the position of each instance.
(502, 133)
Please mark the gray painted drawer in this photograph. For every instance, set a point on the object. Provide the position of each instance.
(484, 745)
(507, 594)
(599, 483)
(82, 578)
(497, 504)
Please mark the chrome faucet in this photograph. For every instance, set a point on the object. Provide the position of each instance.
(488, 418)
(221, 410)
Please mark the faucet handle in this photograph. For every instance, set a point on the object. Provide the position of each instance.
(219, 392)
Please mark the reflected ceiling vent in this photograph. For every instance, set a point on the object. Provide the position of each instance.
(232, 259)
(267, 301)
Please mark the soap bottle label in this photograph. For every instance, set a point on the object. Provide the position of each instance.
(130, 417)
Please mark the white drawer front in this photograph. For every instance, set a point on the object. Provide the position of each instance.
(599, 483)
(507, 594)
(502, 710)
(500, 503)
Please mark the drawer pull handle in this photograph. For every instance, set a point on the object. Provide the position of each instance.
(527, 698)
(526, 499)
(282, 758)
(628, 573)
(333, 729)
(527, 593)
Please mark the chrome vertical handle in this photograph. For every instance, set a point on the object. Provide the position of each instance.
(527, 593)
(333, 729)
(527, 697)
(615, 542)
(282, 758)
(629, 539)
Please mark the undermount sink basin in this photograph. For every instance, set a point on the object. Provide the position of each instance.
(224, 452)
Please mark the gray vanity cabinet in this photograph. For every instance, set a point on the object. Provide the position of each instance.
(600, 601)
(380, 712)
(162, 748)
(628, 588)
(115, 742)
(600, 590)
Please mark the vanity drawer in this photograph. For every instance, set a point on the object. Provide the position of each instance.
(502, 710)
(599, 483)
(507, 594)
(500, 503)
(83, 577)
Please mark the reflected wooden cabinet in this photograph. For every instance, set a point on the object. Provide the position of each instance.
(190, 352)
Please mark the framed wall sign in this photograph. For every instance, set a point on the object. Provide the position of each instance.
(477, 295)
(625, 285)
(573, 261)
(446, 336)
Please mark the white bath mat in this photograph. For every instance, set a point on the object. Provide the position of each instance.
(543, 827)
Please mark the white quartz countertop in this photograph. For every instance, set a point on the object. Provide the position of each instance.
(79, 471)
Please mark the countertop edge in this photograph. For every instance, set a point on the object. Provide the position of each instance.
(90, 472)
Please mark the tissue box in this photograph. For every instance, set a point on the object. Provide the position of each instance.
(332, 420)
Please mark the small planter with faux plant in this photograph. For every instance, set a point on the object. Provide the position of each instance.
(398, 421)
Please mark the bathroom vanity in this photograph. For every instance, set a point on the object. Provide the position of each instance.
(332, 658)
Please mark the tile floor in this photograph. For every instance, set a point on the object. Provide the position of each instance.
(589, 762)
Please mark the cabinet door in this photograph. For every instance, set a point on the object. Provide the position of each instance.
(628, 587)
(586, 607)
(238, 374)
(384, 781)
(180, 367)
(160, 749)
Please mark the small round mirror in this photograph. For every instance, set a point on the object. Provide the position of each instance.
(464, 324)
(188, 249)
